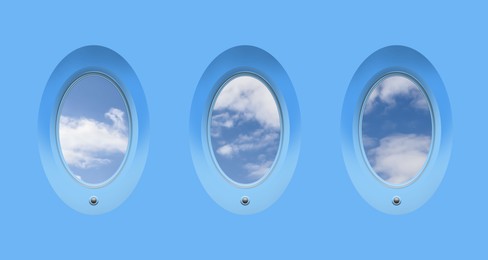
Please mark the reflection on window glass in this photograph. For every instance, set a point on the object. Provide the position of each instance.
(93, 129)
(396, 128)
(245, 129)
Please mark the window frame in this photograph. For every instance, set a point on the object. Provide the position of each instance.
(93, 58)
(244, 59)
(387, 60)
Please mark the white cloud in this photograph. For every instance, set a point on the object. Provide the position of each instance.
(395, 86)
(86, 143)
(225, 150)
(259, 139)
(222, 120)
(369, 142)
(399, 158)
(251, 99)
(258, 170)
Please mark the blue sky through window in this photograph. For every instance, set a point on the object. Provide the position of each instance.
(245, 129)
(93, 129)
(396, 128)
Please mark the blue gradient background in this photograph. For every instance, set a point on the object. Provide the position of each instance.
(169, 214)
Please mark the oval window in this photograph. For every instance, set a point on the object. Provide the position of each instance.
(396, 129)
(93, 129)
(245, 129)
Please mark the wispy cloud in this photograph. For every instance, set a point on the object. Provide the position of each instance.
(257, 140)
(223, 120)
(88, 143)
(392, 87)
(258, 170)
(399, 158)
(369, 142)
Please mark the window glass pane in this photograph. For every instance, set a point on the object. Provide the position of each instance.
(396, 128)
(93, 129)
(245, 129)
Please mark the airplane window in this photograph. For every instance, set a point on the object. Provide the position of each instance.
(396, 129)
(245, 129)
(93, 129)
